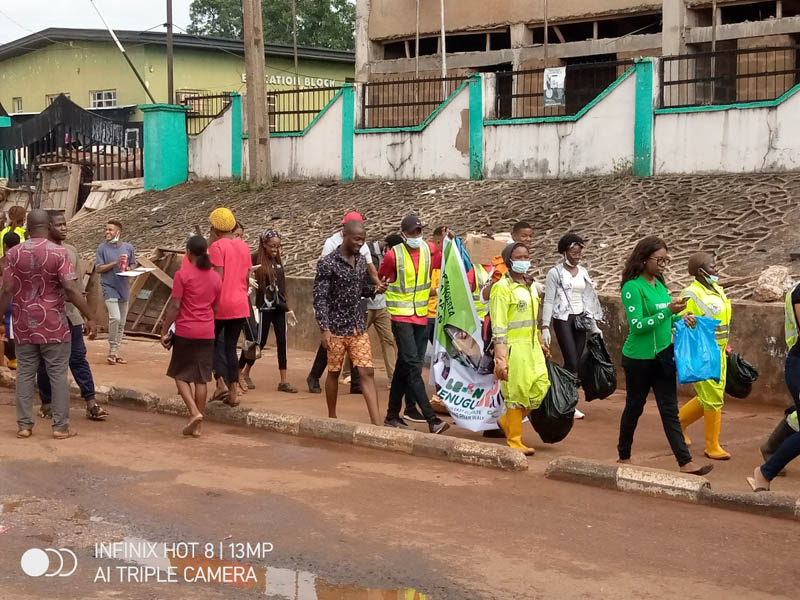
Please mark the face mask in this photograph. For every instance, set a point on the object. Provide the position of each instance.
(414, 243)
(567, 261)
(115, 240)
(710, 278)
(520, 266)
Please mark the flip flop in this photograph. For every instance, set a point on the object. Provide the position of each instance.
(752, 482)
(191, 426)
(96, 413)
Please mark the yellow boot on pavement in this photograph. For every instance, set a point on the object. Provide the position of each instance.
(713, 420)
(513, 430)
(688, 414)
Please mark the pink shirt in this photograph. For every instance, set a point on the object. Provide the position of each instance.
(35, 272)
(198, 291)
(234, 257)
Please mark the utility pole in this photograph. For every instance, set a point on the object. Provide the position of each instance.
(545, 32)
(258, 150)
(170, 80)
(444, 53)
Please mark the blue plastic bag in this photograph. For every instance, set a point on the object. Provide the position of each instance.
(697, 354)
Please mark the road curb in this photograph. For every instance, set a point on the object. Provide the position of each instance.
(404, 441)
(671, 485)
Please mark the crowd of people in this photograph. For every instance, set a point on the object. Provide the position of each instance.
(223, 291)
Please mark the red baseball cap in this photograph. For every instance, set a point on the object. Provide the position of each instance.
(352, 216)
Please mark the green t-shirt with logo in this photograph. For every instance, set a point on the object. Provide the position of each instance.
(649, 318)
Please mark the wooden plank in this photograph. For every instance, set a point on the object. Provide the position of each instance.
(157, 272)
(73, 187)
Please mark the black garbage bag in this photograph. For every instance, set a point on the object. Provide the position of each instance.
(741, 376)
(597, 374)
(554, 418)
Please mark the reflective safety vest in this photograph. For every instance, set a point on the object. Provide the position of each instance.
(790, 322)
(481, 277)
(515, 308)
(713, 304)
(408, 294)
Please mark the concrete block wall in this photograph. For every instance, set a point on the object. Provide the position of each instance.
(620, 131)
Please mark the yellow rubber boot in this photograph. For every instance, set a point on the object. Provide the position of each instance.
(713, 420)
(688, 414)
(514, 430)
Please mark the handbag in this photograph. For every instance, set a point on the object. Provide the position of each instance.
(251, 348)
(583, 321)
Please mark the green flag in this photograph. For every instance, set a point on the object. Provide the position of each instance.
(455, 305)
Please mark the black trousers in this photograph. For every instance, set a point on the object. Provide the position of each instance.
(226, 336)
(321, 363)
(412, 341)
(659, 375)
(571, 341)
(269, 318)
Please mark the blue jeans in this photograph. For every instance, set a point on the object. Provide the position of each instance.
(78, 365)
(790, 448)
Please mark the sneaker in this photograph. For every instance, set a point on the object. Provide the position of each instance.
(578, 414)
(313, 385)
(438, 426)
(413, 415)
(396, 422)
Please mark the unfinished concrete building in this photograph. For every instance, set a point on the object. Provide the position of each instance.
(404, 39)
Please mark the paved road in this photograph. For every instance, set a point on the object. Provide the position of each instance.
(344, 519)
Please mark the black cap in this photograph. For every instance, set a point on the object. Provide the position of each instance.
(411, 223)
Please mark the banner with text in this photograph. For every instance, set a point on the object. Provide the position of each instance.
(470, 393)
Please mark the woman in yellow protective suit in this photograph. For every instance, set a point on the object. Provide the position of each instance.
(706, 298)
(519, 355)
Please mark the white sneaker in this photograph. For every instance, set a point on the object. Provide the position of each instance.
(578, 414)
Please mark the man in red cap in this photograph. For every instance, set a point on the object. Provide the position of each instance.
(321, 360)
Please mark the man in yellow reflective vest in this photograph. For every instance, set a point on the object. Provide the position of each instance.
(705, 298)
(790, 447)
(406, 269)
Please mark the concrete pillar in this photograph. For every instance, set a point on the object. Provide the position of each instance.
(166, 146)
(674, 21)
(521, 35)
(363, 44)
(236, 135)
(6, 162)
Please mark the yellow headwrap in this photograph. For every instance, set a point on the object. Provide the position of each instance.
(222, 219)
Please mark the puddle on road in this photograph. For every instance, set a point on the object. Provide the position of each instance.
(284, 584)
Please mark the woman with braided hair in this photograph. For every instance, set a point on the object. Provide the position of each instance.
(271, 307)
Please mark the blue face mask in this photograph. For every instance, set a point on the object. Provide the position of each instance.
(710, 278)
(115, 240)
(520, 266)
(414, 242)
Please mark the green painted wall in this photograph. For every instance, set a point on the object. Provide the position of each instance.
(80, 67)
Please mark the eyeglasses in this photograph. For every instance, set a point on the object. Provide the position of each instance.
(661, 262)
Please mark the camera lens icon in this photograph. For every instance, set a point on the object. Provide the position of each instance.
(36, 562)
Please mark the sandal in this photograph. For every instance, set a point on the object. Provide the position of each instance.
(228, 401)
(220, 396)
(46, 411)
(250, 384)
(121, 361)
(111, 359)
(287, 387)
(96, 413)
(752, 482)
(242, 386)
(191, 426)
